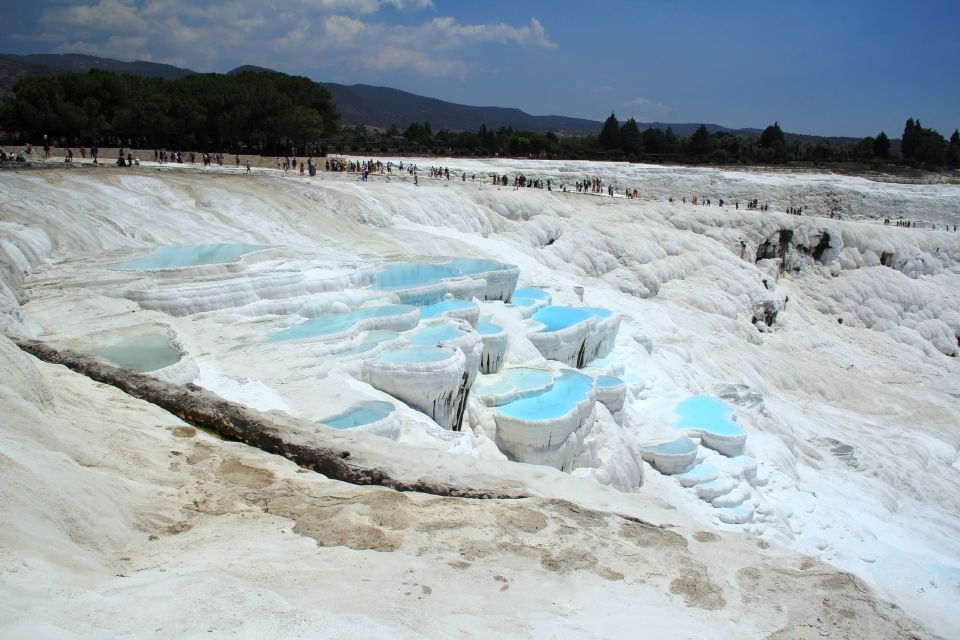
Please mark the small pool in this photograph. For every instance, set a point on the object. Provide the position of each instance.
(517, 382)
(192, 256)
(405, 275)
(608, 382)
(141, 353)
(368, 341)
(698, 475)
(709, 414)
(360, 414)
(486, 328)
(567, 391)
(530, 293)
(680, 446)
(432, 334)
(338, 323)
(414, 355)
(555, 318)
(439, 308)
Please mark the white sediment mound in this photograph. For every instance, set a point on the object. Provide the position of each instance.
(834, 342)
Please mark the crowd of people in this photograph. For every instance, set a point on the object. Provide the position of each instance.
(364, 168)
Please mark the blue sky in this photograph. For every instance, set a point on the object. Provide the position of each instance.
(841, 67)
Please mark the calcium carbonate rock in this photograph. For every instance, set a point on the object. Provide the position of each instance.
(612, 392)
(709, 419)
(372, 416)
(671, 457)
(573, 335)
(548, 427)
(495, 342)
(452, 332)
(433, 380)
(425, 283)
(452, 308)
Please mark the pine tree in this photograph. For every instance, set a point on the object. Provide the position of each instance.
(908, 145)
(953, 151)
(610, 134)
(772, 135)
(700, 142)
(881, 146)
(631, 140)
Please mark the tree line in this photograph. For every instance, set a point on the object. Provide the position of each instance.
(266, 112)
(921, 147)
(269, 112)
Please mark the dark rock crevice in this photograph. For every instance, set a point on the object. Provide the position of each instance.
(233, 421)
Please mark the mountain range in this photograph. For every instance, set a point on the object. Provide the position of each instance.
(358, 104)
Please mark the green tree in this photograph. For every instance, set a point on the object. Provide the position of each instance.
(881, 146)
(863, 149)
(772, 135)
(610, 134)
(773, 145)
(631, 140)
(700, 143)
(953, 151)
(911, 135)
(654, 142)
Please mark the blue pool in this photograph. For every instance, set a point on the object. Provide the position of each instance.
(568, 389)
(556, 318)
(141, 353)
(340, 322)
(531, 293)
(368, 341)
(412, 355)
(514, 384)
(607, 382)
(192, 256)
(707, 413)
(360, 414)
(434, 310)
(407, 275)
(680, 446)
(486, 328)
(432, 334)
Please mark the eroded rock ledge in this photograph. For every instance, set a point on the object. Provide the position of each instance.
(233, 421)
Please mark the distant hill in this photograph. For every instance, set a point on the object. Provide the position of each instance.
(383, 106)
(358, 104)
(14, 67)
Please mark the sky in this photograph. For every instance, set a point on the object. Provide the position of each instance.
(838, 67)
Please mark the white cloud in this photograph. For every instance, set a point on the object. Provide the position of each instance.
(281, 34)
(103, 17)
(395, 58)
(647, 107)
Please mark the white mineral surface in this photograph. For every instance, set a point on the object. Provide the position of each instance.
(835, 342)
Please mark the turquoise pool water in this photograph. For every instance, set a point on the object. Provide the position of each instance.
(439, 308)
(523, 379)
(707, 413)
(531, 293)
(519, 381)
(192, 256)
(556, 318)
(405, 275)
(360, 414)
(337, 323)
(434, 334)
(568, 389)
(486, 328)
(141, 353)
(369, 340)
(606, 382)
(700, 473)
(679, 446)
(413, 355)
